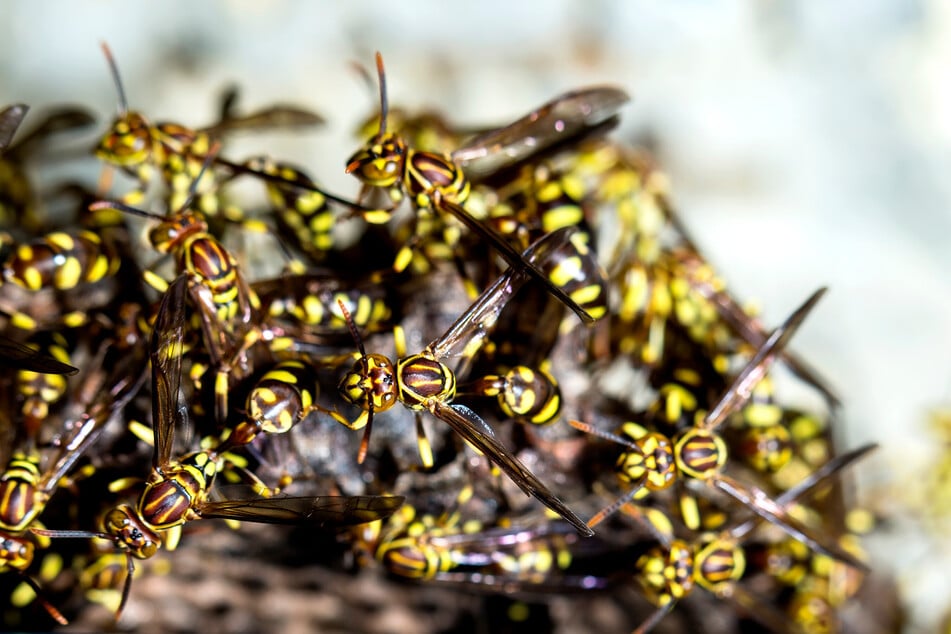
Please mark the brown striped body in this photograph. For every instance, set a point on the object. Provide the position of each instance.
(421, 379)
(700, 453)
(170, 496)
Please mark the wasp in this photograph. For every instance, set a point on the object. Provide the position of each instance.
(226, 304)
(59, 262)
(655, 462)
(446, 549)
(424, 382)
(716, 562)
(177, 489)
(437, 181)
(143, 149)
(26, 485)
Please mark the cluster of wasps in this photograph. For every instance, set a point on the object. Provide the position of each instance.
(536, 317)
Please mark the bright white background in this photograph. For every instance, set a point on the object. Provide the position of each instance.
(808, 143)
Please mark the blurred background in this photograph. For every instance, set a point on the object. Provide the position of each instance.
(808, 144)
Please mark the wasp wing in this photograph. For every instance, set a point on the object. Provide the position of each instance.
(59, 120)
(742, 388)
(276, 116)
(757, 501)
(470, 427)
(807, 486)
(322, 512)
(563, 117)
(110, 390)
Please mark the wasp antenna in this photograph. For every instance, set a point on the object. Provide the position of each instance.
(384, 106)
(353, 328)
(123, 104)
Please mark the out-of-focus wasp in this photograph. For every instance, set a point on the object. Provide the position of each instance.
(655, 461)
(306, 304)
(142, 149)
(177, 491)
(423, 381)
(447, 551)
(437, 181)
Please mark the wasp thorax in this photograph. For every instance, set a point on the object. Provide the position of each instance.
(700, 453)
(719, 564)
(17, 496)
(370, 383)
(380, 163)
(166, 235)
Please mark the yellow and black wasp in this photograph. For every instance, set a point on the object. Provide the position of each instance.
(447, 551)
(437, 181)
(423, 381)
(177, 490)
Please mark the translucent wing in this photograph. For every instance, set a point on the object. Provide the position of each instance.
(459, 418)
(322, 512)
(277, 116)
(808, 485)
(466, 335)
(59, 120)
(757, 501)
(168, 408)
(563, 117)
(111, 391)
